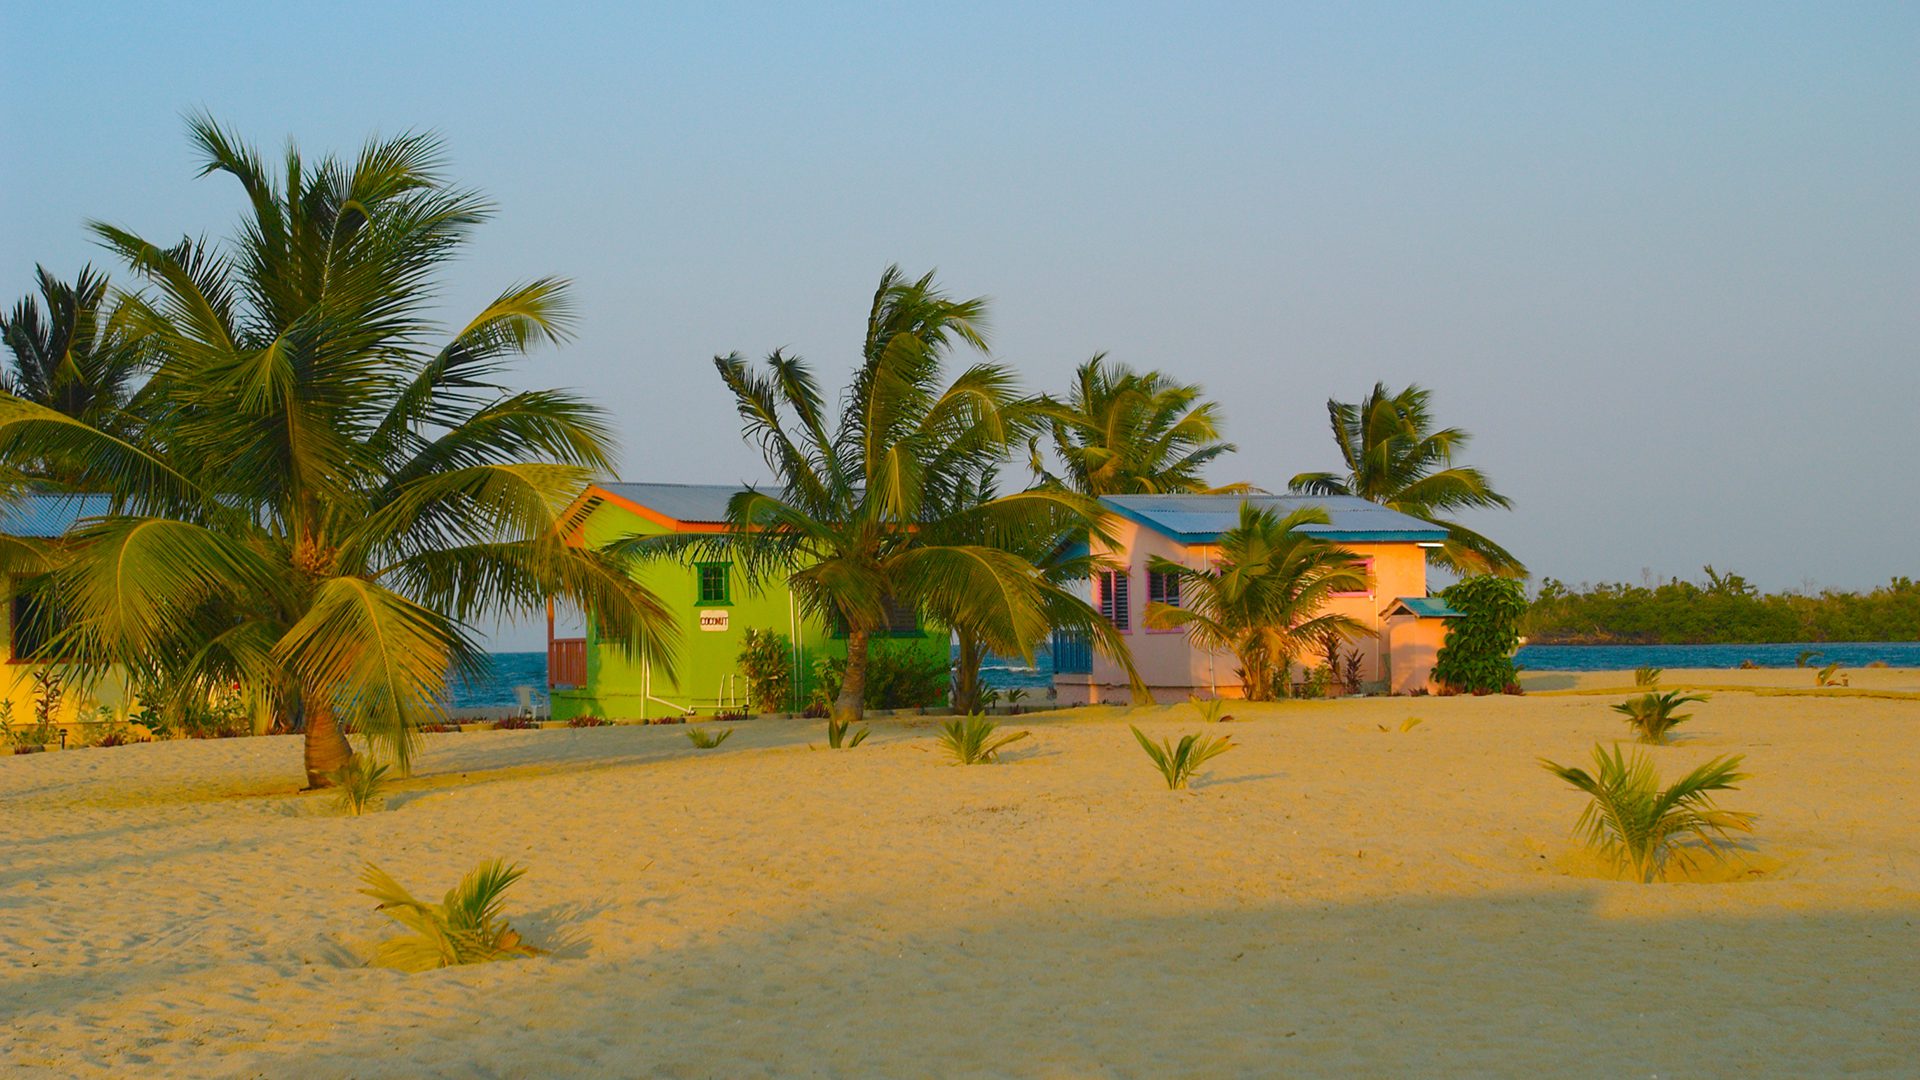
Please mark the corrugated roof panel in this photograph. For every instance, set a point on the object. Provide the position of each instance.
(1201, 518)
(1425, 607)
(704, 504)
(48, 516)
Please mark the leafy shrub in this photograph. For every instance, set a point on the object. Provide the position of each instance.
(707, 740)
(589, 721)
(1477, 657)
(359, 782)
(970, 740)
(1829, 676)
(899, 676)
(1639, 824)
(1647, 676)
(1318, 680)
(515, 723)
(437, 728)
(767, 662)
(1178, 762)
(1806, 657)
(1016, 696)
(464, 928)
(1651, 716)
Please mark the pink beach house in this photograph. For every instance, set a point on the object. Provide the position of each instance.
(1405, 627)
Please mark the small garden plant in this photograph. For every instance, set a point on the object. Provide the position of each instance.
(970, 740)
(1648, 677)
(466, 927)
(1178, 762)
(1640, 825)
(1829, 676)
(1652, 716)
(705, 739)
(358, 784)
(767, 662)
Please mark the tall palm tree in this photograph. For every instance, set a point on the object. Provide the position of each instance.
(1394, 457)
(320, 505)
(1264, 599)
(887, 506)
(1046, 533)
(1124, 432)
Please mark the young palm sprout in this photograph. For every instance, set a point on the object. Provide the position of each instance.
(1177, 763)
(1642, 826)
(465, 927)
(970, 740)
(1652, 716)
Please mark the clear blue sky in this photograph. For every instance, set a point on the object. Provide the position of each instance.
(1663, 260)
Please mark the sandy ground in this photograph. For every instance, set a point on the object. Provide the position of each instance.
(1331, 899)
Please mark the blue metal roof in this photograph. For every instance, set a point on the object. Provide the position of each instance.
(46, 517)
(1425, 607)
(1200, 519)
(704, 504)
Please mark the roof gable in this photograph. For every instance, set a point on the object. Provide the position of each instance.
(1200, 519)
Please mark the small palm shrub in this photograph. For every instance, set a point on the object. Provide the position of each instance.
(1177, 763)
(1639, 824)
(970, 740)
(1210, 709)
(1805, 658)
(707, 740)
(1829, 676)
(1652, 716)
(358, 784)
(838, 737)
(1647, 676)
(465, 927)
(1016, 697)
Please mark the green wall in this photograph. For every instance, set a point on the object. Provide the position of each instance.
(709, 679)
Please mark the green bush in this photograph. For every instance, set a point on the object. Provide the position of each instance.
(1478, 655)
(899, 676)
(767, 662)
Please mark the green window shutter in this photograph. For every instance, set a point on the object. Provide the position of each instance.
(712, 582)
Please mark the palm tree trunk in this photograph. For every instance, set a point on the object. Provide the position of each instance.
(966, 680)
(848, 707)
(327, 748)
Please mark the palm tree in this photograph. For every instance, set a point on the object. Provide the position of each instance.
(888, 507)
(1044, 533)
(72, 350)
(1395, 458)
(320, 506)
(1264, 599)
(1122, 432)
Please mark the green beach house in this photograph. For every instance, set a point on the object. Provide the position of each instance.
(715, 607)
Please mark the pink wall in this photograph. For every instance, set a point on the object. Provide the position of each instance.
(1174, 670)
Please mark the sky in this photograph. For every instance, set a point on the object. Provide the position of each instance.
(1663, 261)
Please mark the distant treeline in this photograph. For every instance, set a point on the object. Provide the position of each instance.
(1724, 609)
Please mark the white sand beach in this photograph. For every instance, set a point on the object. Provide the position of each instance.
(1330, 899)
